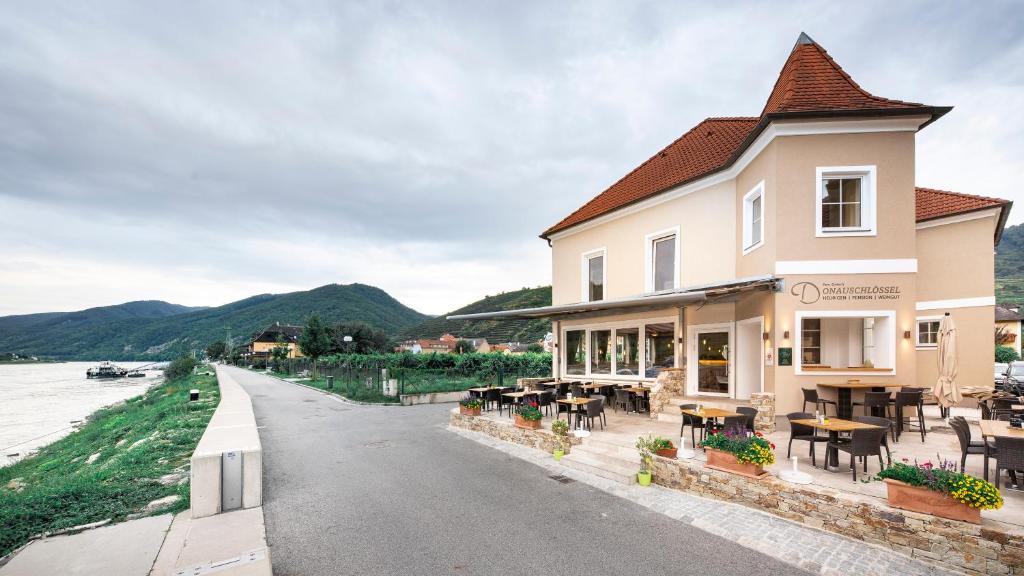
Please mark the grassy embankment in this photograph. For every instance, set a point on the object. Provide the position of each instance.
(110, 468)
(416, 383)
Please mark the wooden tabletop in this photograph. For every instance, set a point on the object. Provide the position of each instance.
(858, 385)
(1001, 428)
(519, 394)
(835, 425)
(478, 389)
(574, 401)
(595, 386)
(637, 389)
(709, 413)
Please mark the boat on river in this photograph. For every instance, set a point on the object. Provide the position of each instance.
(106, 370)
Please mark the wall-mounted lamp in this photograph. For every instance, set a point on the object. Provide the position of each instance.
(786, 334)
(906, 334)
(764, 336)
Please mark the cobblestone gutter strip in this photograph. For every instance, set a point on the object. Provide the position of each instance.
(810, 549)
(989, 548)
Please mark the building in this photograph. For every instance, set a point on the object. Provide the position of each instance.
(1008, 321)
(264, 341)
(775, 252)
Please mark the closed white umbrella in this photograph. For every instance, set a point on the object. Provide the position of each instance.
(947, 391)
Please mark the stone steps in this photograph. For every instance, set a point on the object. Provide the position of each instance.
(601, 465)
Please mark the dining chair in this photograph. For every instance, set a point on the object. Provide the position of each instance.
(873, 400)
(749, 416)
(913, 399)
(492, 396)
(881, 423)
(594, 409)
(803, 432)
(967, 445)
(1009, 456)
(545, 399)
(693, 422)
(863, 442)
(811, 395)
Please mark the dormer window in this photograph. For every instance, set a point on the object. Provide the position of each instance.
(845, 201)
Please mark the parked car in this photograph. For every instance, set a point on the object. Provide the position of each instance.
(1014, 381)
(1001, 369)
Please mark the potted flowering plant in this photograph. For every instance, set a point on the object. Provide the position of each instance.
(939, 490)
(561, 430)
(664, 447)
(528, 415)
(646, 445)
(470, 406)
(737, 452)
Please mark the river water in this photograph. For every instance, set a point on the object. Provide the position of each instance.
(38, 402)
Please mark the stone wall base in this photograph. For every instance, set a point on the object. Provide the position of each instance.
(989, 548)
(540, 439)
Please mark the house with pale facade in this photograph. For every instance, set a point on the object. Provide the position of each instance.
(776, 252)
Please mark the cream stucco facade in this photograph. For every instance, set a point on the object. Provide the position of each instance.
(856, 299)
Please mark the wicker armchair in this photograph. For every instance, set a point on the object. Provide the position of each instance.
(881, 422)
(967, 445)
(694, 422)
(863, 442)
(749, 416)
(1009, 456)
(914, 399)
(811, 395)
(803, 432)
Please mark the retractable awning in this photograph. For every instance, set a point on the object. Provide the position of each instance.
(722, 292)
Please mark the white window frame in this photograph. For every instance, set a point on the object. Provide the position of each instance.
(798, 340)
(649, 241)
(868, 205)
(585, 273)
(613, 326)
(692, 367)
(917, 332)
(748, 218)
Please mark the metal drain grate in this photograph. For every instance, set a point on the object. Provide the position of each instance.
(561, 479)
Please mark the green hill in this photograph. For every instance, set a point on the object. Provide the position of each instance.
(166, 337)
(495, 331)
(94, 316)
(1010, 266)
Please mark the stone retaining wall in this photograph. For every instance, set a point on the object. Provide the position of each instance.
(989, 548)
(540, 439)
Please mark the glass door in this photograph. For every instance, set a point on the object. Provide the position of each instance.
(711, 350)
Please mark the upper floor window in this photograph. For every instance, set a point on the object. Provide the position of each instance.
(593, 276)
(662, 267)
(753, 218)
(846, 201)
(928, 332)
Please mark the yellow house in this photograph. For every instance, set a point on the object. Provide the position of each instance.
(264, 341)
(1008, 327)
(775, 253)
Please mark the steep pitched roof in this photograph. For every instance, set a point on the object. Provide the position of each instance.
(931, 204)
(811, 84)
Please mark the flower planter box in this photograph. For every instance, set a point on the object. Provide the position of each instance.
(726, 462)
(920, 499)
(527, 424)
(469, 411)
(668, 453)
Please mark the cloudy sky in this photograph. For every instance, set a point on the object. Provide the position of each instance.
(203, 152)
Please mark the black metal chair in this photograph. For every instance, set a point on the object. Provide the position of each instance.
(913, 399)
(492, 396)
(876, 400)
(863, 442)
(623, 399)
(693, 422)
(967, 445)
(883, 423)
(577, 390)
(811, 395)
(749, 417)
(986, 409)
(1009, 456)
(803, 432)
(545, 399)
(604, 403)
(562, 389)
(592, 410)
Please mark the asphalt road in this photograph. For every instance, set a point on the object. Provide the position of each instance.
(388, 490)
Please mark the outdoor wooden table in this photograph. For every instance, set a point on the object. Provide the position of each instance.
(709, 415)
(999, 428)
(834, 426)
(572, 402)
(844, 407)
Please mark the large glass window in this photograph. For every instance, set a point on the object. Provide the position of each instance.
(595, 272)
(713, 362)
(847, 342)
(659, 343)
(627, 351)
(601, 352)
(665, 263)
(575, 352)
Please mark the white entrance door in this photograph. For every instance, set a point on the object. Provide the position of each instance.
(749, 357)
(710, 369)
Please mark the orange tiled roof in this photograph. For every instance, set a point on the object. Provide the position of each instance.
(933, 203)
(810, 84)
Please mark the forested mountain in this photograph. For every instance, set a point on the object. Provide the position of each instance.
(141, 337)
(495, 331)
(1010, 266)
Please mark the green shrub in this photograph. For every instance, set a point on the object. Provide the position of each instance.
(1005, 354)
(180, 368)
